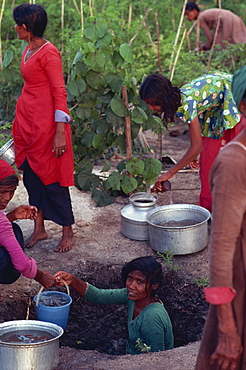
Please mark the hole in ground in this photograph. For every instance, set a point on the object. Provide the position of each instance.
(104, 327)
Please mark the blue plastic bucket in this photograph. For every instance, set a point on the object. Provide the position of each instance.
(55, 314)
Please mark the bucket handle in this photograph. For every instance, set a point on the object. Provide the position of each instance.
(42, 288)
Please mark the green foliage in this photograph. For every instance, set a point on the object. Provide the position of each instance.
(202, 283)
(134, 175)
(5, 133)
(168, 259)
(142, 347)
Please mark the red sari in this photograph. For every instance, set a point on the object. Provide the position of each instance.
(34, 126)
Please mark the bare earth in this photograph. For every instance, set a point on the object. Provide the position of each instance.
(98, 239)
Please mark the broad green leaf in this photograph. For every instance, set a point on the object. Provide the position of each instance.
(102, 127)
(96, 61)
(83, 113)
(97, 141)
(8, 57)
(118, 107)
(102, 197)
(115, 82)
(114, 180)
(126, 53)
(95, 80)
(106, 167)
(121, 143)
(105, 40)
(121, 166)
(128, 184)
(135, 127)
(135, 166)
(117, 59)
(85, 178)
(114, 119)
(87, 139)
(80, 68)
(138, 115)
(152, 169)
(76, 87)
(77, 57)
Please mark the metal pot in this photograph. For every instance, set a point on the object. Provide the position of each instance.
(7, 152)
(31, 356)
(178, 239)
(134, 216)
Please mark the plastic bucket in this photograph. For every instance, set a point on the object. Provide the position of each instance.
(55, 314)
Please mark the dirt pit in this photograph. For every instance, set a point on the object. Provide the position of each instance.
(104, 327)
(95, 332)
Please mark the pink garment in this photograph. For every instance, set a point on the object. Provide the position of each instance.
(25, 265)
(211, 148)
(219, 294)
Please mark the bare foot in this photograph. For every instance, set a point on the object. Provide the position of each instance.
(67, 240)
(34, 238)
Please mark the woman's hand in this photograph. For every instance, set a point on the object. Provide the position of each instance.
(59, 146)
(194, 164)
(228, 351)
(63, 275)
(23, 212)
(158, 186)
(45, 278)
(79, 285)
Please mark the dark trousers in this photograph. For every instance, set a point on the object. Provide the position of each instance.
(8, 274)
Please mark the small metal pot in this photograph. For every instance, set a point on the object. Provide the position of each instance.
(7, 152)
(178, 239)
(134, 216)
(31, 356)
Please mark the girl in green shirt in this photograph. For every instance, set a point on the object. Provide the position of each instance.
(149, 326)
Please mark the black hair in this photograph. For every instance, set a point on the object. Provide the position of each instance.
(33, 16)
(191, 6)
(150, 268)
(158, 90)
(11, 180)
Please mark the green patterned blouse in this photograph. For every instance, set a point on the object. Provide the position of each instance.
(210, 98)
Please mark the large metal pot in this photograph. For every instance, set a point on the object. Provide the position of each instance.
(7, 152)
(166, 234)
(134, 216)
(31, 356)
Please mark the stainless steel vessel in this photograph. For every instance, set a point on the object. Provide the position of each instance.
(31, 356)
(178, 239)
(134, 216)
(7, 152)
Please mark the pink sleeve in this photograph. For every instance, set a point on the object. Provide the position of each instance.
(25, 265)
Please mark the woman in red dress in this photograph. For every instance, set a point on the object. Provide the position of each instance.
(41, 129)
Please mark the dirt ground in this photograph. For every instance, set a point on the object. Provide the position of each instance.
(95, 336)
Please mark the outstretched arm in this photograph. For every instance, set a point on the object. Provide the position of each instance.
(194, 149)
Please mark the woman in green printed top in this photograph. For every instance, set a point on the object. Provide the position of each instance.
(149, 326)
(207, 105)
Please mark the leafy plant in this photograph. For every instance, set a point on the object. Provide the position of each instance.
(4, 133)
(168, 259)
(134, 175)
(201, 283)
(142, 347)
(100, 68)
